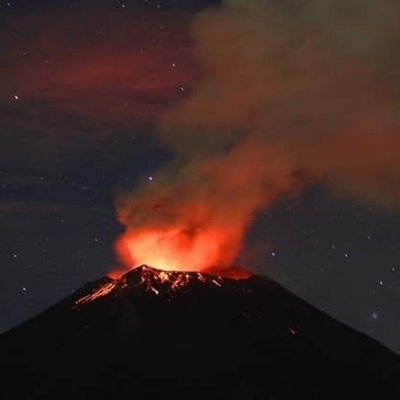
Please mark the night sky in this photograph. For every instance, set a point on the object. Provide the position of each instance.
(82, 87)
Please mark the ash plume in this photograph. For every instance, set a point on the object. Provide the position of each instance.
(293, 93)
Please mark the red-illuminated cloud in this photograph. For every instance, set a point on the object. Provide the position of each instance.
(104, 66)
(291, 95)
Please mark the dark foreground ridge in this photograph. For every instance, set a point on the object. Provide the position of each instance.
(211, 338)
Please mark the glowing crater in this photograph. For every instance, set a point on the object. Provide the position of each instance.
(155, 281)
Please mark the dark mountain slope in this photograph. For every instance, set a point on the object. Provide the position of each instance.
(213, 338)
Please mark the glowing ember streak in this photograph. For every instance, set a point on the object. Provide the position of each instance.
(215, 282)
(293, 331)
(100, 292)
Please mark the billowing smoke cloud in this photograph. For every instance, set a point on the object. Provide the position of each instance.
(294, 92)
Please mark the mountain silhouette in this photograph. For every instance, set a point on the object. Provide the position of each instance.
(161, 335)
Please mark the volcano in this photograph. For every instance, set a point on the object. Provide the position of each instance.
(174, 335)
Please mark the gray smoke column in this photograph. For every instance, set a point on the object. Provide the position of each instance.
(294, 92)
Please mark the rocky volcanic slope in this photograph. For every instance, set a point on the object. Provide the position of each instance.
(211, 339)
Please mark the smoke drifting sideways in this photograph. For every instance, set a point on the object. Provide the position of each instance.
(293, 93)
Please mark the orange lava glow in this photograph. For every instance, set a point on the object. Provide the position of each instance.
(175, 249)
